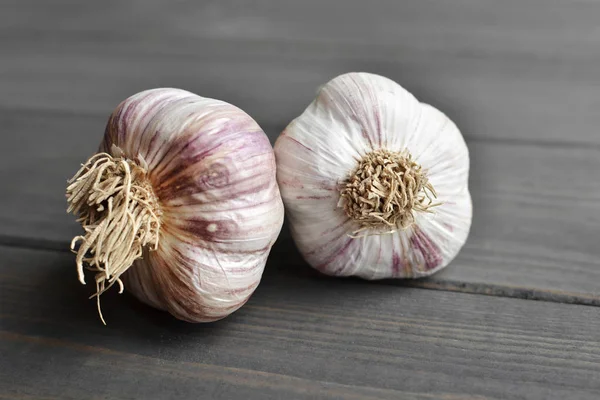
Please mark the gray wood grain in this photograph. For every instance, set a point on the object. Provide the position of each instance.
(536, 208)
(519, 69)
(300, 336)
(519, 77)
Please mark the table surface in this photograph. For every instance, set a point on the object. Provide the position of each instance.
(514, 316)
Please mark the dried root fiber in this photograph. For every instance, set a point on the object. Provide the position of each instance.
(117, 208)
(385, 190)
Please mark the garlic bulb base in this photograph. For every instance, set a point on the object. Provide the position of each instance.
(385, 190)
(195, 204)
(345, 222)
(120, 214)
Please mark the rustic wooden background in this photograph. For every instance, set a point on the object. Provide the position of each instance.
(515, 316)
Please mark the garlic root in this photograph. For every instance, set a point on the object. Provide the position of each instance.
(120, 214)
(385, 190)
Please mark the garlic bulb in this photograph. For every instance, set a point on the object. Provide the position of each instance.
(375, 183)
(184, 192)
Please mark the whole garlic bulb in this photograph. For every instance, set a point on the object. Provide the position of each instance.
(188, 184)
(374, 182)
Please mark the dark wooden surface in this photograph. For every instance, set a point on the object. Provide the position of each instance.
(520, 78)
(300, 336)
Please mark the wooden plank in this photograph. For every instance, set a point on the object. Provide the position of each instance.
(536, 223)
(39, 154)
(301, 336)
(536, 209)
(517, 69)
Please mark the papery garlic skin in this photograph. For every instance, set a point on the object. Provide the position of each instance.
(212, 169)
(355, 114)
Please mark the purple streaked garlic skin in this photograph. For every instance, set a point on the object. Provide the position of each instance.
(212, 169)
(344, 219)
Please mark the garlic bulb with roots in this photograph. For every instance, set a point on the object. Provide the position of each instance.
(375, 183)
(181, 204)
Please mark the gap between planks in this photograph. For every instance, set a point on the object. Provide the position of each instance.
(431, 283)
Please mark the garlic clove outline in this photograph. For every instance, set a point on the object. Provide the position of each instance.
(353, 117)
(208, 171)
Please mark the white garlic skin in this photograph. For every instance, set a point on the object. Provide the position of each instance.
(212, 169)
(354, 114)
